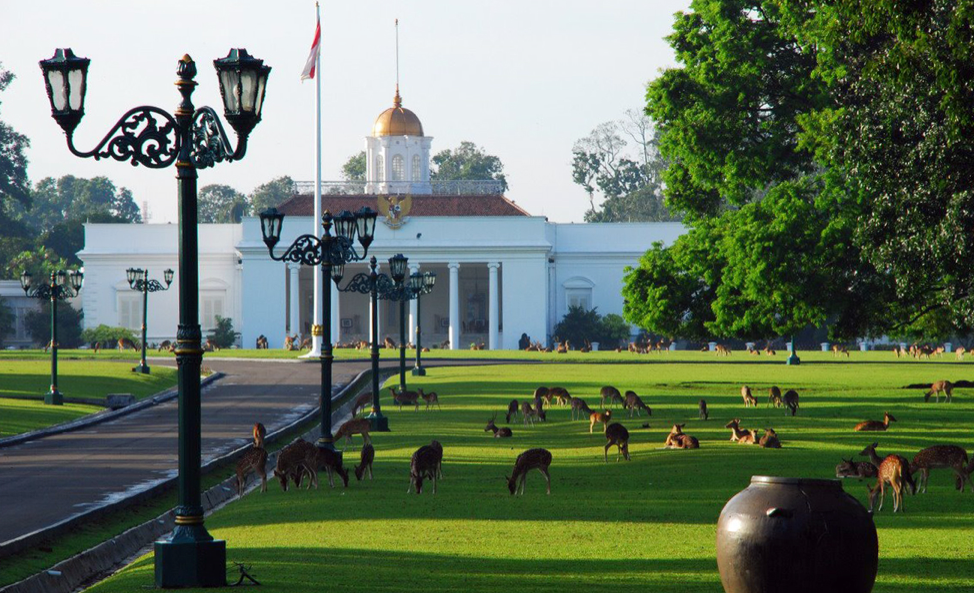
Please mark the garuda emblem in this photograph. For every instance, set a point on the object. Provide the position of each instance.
(395, 209)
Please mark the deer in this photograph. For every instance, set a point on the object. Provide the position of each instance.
(611, 394)
(430, 398)
(749, 399)
(362, 402)
(559, 395)
(365, 462)
(539, 459)
(409, 398)
(513, 409)
(166, 345)
(874, 425)
(770, 439)
(352, 427)
(791, 400)
(945, 387)
(634, 403)
(677, 439)
(423, 466)
(254, 460)
(259, 433)
(959, 353)
(531, 414)
(617, 435)
(937, 457)
(894, 470)
(289, 342)
(261, 342)
(126, 344)
(292, 463)
(563, 347)
(580, 409)
(856, 469)
(596, 417)
(774, 396)
(838, 349)
(722, 350)
(542, 394)
(768, 350)
(704, 414)
(739, 435)
(388, 343)
(329, 460)
(439, 459)
(499, 433)
(210, 346)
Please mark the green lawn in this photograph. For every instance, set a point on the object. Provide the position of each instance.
(646, 525)
(31, 379)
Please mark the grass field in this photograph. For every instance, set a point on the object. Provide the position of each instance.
(23, 384)
(648, 524)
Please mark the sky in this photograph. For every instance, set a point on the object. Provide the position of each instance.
(523, 80)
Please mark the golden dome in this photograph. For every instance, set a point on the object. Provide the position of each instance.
(397, 121)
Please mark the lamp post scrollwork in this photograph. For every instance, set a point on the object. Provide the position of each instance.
(63, 285)
(138, 279)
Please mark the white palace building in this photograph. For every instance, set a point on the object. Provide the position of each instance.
(501, 272)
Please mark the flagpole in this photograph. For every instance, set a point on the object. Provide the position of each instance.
(316, 223)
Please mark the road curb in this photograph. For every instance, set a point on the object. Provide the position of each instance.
(99, 417)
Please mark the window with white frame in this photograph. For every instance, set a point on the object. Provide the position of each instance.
(211, 306)
(416, 167)
(398, 168)
(130, 311)
(380, 173)
(579, 297)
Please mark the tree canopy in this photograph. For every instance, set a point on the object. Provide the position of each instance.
(221, 204)
(14, 185)
(271, 194)
(467, 161)
(354, 167)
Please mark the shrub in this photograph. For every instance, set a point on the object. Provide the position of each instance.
(579, 325)
(107, 336)
(223, 335)
(6, 321)
(38, 324)
(615, 331)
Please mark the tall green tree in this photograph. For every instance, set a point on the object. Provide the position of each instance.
(221, 204)
(71, 198)
(271, 194)
(14, 185)
(354, 167)
(6, 321)
(468, 161)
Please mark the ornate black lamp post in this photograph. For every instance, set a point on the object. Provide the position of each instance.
(193, 138)
(420, 284)
(139, 280)
(331, 252)
(62, 286)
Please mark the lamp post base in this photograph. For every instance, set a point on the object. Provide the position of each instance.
(793, 360)
(378, 422)
(189, 563)
(54, 398)
(326, 444)
(419, 372)
(142, 368)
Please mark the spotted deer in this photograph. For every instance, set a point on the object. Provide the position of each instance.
(749, 399)
(365, 462)
(704, 414)
(959, 353)
(945, 387)
(893, 470)
(617, 435)
(874, 425)
(430, 398)
(838, 349)
(423, 466)
(127, 344)
(328, 459)
(770, 439)
(362, 403)
(722, 350)
(939, 457)
(542, 394)
(513, 409)
(738, 434)
(352, 427)
(580, 409)
(499, 433)
(610, 394)
(254, 460)
(529, 413)
(559, 395)
(774, 396)
(596, 417)
(634, 403)
(677, 439)
(291, 463)
(259, 433)
(401, 398)
(791, 401)
(539, 459)
(856, 469)
(166, 345)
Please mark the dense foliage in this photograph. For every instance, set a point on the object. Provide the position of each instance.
(467, 161)
(581, 325)
(271, 194)
(355, 167)
(107, 336)
(6, 321)
(38, 324)
(223, 335)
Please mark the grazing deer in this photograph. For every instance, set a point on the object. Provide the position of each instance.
(937, 457)
(401, 398)
(774, 396)
(749, 400)
(254, 460)
(609, 393)
(959, 353)
(634, 403)
(596, 417)
(291, 463)
(499, 433)
(430, 398)
(722, 350)
(365, 463)
(873, 425)
(539, 459)
(856, 469)
(166, 345)
(126, 344)
(361, 403)
(580, 409)
(439, 459)
(704, 414)
(740, 435)
(560, 395)
(677, 439)
(423, 466)
(210, 346)
(259, 433)
(542, 394)
(945, 387)
(617, 435)
(289, 342)
(770, 439)
(329, 460)
(531, 414)
(791, 401)
(513, 409)
(354, 426)
(838, 349)
(893, 470)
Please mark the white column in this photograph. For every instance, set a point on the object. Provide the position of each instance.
(336, 314)
(454, 306)
(411, 336)
(294, 319)
(493, 320)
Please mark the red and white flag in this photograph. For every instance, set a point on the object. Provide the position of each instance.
(309, 66)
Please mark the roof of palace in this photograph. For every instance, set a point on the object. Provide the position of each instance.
(422, 205)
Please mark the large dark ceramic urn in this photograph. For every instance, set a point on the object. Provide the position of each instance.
(797, 536)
